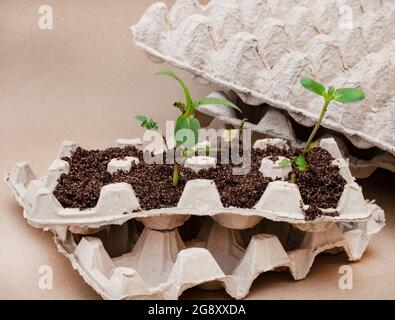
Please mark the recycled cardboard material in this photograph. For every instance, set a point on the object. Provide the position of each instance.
(161, 265)
(274, 169)
(121, 164)
(276, 124)
(259, 50)
(232, 247)
(200, 162)
(118, 203)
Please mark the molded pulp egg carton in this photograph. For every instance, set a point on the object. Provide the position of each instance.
(274, 123)
(260, 48)
(231, 248)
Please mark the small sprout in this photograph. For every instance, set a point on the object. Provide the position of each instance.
(241, 128)
(299, 162)
(187, 118)
(150, 124)
(242, 123)
(343, 95)
(180, 106)
(230, 135)
(147, 123)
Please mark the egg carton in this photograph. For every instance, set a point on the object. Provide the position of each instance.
(161, 265)
(118, 203)
(231, 249)
(274, 123)
(260, 48)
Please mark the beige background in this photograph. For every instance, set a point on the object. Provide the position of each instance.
(85, 81)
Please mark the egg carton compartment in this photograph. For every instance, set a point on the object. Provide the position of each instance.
(269, 122)
(135, 262)
(260, 48)
(281, 200)
(158, 254)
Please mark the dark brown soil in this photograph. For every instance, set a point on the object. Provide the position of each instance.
(321, 185)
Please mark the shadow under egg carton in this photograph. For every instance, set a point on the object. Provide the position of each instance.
(272, 123)
(259, 49)
(154, 264)
(158, 254)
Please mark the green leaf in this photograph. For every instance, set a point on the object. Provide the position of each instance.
(313, 86)
(301, 163)
(194, 125)
(152, 124)
(147, 123)
(180, 106)
(141, 118)
(189, 123)
(285, 162)
(212, 100)
(188, 99)
(347, 95)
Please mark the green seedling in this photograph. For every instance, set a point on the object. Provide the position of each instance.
(342, 95)
(187, 119)
(230, 134)
(241, 124)
(147, 123)
(299, 162)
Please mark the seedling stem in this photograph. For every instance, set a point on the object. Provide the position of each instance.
(317, 126)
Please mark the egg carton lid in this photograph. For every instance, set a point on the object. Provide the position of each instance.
(260, 49)
(281, 201)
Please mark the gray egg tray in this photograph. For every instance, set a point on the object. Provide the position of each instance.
(259, 49)
(232, 247)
